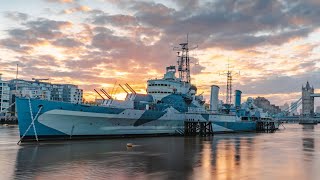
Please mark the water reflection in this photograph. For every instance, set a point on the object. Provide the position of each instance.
(8, 150)
(308, 143)
(170, 157)
(219, 157)
(231, 156)
(222, 157)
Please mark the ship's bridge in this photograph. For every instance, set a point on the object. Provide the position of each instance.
(169, 84)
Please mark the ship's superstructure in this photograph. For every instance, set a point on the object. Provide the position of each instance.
(170, 84)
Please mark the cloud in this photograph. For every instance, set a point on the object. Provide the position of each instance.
(67, 42)
(197, 69)
(107, 42)
(43, 24)
(61, 1)
(38, 61)
(17, 16)
(153, 14)
(116, 20)
(136, 40)
(76, 9)
(14, 45)
(35, 32)
(232, 24)
(279, 84)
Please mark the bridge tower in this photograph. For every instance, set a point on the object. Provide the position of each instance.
(307, 100)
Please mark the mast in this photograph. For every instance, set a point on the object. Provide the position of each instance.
(229, 86)
(229, 75)
(184, 61)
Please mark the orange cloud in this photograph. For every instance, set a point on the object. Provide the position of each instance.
(61, 1)
(77, 9)
(135, 44)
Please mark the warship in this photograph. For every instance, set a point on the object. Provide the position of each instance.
(169, 102)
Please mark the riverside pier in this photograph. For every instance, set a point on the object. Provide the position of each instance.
(201, 128)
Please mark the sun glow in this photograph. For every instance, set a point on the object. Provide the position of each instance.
(48, 49)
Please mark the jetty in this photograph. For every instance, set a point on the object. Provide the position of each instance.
(201, 128)
(266, 125)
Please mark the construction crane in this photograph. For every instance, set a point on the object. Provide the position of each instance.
(40, 79)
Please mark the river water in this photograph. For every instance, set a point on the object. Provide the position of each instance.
(291, 153)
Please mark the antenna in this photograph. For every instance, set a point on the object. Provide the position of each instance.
(187, 37)
(184, 61)
(115, 92)
(113, 88)
(17, 71)
(229, 74)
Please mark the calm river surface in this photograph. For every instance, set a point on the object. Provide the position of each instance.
(291, 153)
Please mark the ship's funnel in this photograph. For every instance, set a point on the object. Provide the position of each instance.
(214, 98)
(237, 98)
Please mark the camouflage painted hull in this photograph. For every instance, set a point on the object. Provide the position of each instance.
(59, 120)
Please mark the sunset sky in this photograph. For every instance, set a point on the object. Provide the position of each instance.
(275, 44)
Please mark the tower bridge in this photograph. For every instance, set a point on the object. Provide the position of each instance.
(307, 97)
(307, 102)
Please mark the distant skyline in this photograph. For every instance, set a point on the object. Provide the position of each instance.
(275, 44)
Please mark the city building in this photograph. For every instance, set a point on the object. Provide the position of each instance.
(267, 107)
(4, 96)
(44, 90)
(284, 107)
